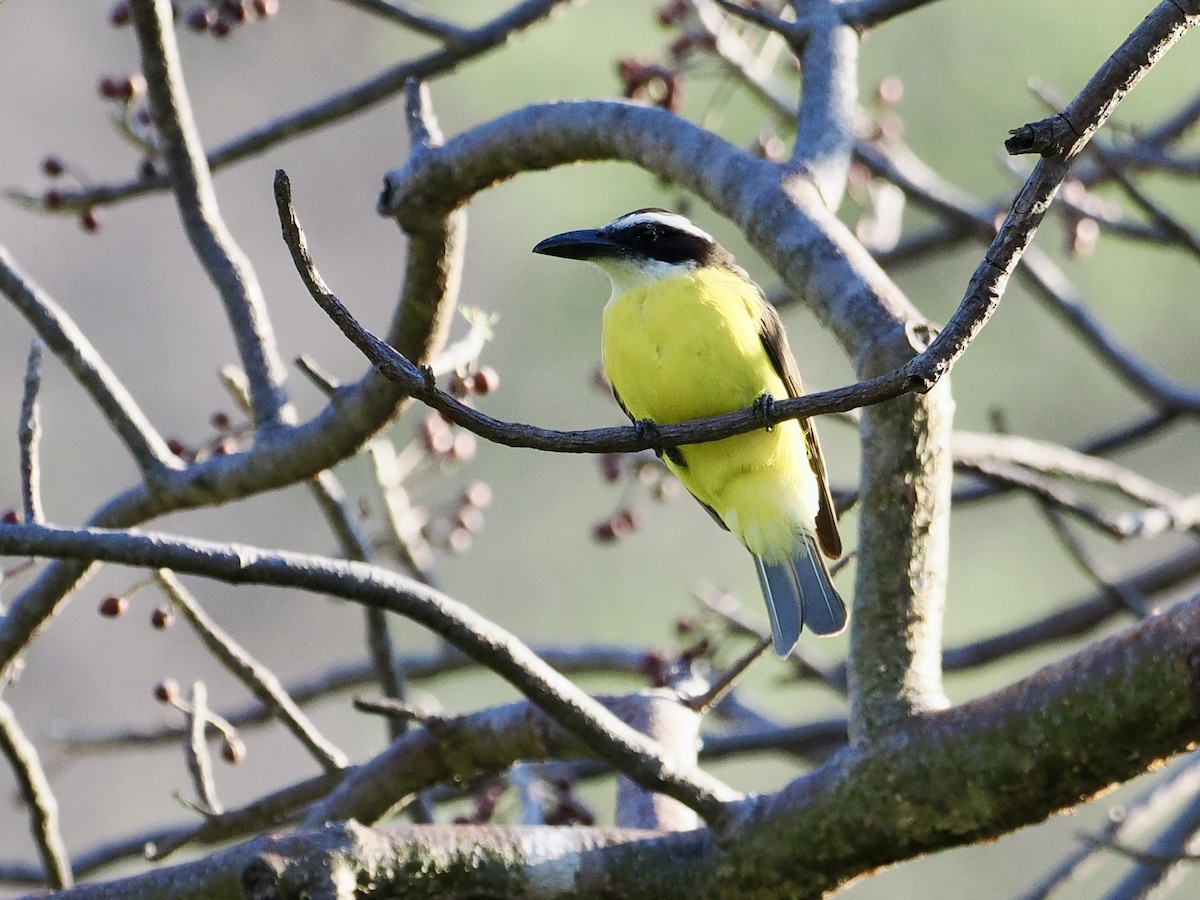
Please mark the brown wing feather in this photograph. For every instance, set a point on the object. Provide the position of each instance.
(770, 330)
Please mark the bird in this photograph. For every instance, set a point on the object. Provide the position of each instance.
(686, 334)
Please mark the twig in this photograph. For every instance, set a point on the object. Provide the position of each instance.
(866, 14)
(331, 497)
(1097, 572)
(38, 797)
(191, 181)
(1124, 822)
(260, 680)
(702, 703)
(585, 659)
(1052, 459)
(29, 433)
(1049, 283)
(759, 16)
(388, 669)
(401, 13)
(342, 105)
(72, 348)
(1059, 140)
(622, 747)
(1175, 230)
(1074, 620)
(415, 381)
(195, 752)
(1174, 847)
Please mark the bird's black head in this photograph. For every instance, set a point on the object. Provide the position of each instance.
(644, 235)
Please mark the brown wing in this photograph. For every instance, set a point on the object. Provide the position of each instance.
(770, 329)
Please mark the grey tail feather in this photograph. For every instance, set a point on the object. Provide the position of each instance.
(799, 592)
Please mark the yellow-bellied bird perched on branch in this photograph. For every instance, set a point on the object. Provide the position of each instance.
(688, 335)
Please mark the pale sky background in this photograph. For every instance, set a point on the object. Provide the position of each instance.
(145, 303)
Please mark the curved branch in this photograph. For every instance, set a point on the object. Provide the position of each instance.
(228, 268)
(72, 348)
(342, 105)
(628, 751)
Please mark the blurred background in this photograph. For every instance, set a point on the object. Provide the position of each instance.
(141, 297)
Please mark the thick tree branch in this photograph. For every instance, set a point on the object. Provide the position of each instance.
(828, 101)
(1042, 744)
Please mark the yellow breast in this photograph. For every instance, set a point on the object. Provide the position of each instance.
(688, 347)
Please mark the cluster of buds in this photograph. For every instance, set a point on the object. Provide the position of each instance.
(55, 167)
(486, 801)
(636, 471)
(217, 17)
(653, 82)
(226, 440)
(482, 381)
(113, 606)
(220, 17)
(623, 522)
(444, 442)
(566, 808)
(454, 529)
(233, 748)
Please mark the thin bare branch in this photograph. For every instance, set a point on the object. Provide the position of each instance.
(195, 752)
(257, 678)
(335, 108)
(38, 797)
(29, 433)
(1174, 847)
(583, 659)
(866, 14)
(69, 344)
(191, 180)
(1125, 822)
(405, 14)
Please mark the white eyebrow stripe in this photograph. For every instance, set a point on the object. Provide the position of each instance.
(671, 220)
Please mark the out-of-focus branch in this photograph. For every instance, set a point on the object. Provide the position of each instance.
(1059, 140)
(1053, 459)
(828, 101)
(1124, 823)
(866, 14)
(29, 433)
(38, 796)
(1046, 279)
(582, 659)
(227, 267)
(404, 14)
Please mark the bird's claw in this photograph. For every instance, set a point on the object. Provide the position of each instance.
(648, 431)
(763, 407)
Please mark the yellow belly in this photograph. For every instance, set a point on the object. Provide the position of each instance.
(689, 347)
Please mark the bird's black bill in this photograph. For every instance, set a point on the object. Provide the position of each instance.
(587, 244)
